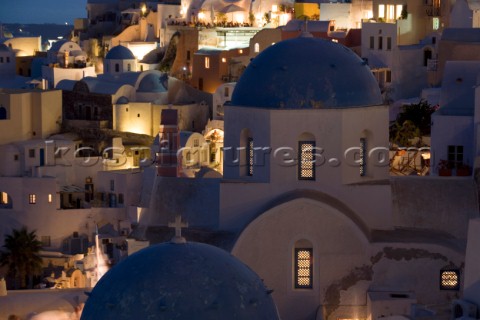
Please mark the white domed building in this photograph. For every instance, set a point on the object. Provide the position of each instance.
(119, 59)
(180, 280)
(307, 190)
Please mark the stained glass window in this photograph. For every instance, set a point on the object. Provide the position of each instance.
(250, 154)
(306, 160)
(363, 161)
(303, 268)
(450, 279)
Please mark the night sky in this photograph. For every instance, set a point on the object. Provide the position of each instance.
(42, 11)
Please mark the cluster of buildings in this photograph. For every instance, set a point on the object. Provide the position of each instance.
(265, 126)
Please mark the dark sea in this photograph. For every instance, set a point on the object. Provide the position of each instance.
(47, 31)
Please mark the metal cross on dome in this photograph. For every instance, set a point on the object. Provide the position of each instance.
(178, 225)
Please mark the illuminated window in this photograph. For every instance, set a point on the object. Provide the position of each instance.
(240, 51)
(390, 12)
(399, 11)
(3, 198)
(335, 40)
(450, 279)
(50, 198)
(257, 48)
(363, 161)
(381, 11)
(32, 199)
(224, 60)
(306, 159)
(207, 63)
(303, 268)
(436, 23)
(250, 154)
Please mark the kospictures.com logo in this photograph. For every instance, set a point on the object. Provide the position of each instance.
(232, 156)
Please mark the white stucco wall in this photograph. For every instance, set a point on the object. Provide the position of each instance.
(451, 130)
(346, 265)
(471, 287)
(30, 114)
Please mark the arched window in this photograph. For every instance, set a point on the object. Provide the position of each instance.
(427, 55)
(306, 157)
(247, 159)
(303, 265)
(3, 113)
(129, 67)
(363, 157)
(257, 48)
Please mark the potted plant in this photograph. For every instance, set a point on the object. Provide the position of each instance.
(463, 170)
(444, 168)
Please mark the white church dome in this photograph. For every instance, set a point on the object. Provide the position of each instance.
(180, 281)
(307, 73)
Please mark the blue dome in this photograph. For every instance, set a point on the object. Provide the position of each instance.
(119, 53)
(180, 281)
(307, 73)
(153, 82)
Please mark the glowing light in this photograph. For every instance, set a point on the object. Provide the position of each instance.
(381, 11)
(240, 51)
(102, 267)
(274, 8)
(183, 11)
(239, 17)
(224, 60)
(201, 15)
(284, 18)
(399, 11)
(144, 9)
